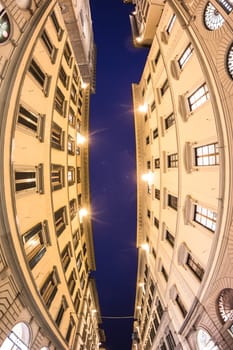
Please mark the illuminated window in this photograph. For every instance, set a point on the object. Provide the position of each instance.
(207, 155)
(200, 96)
(71, 145)
(35, 241)
(71, 175)
(18, 338)
(171, 24)
(230, 61)
(57, 177)
(226, 5)
(205, 217)
(185, 56)
(212, 18)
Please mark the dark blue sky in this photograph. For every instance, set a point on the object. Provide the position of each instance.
(113, 168)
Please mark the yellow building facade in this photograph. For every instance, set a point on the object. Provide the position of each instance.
(48, 299)
(183, 123)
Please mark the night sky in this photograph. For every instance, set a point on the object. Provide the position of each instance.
(113, 167)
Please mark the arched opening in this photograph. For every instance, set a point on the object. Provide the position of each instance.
(204, 341)
(18, 338)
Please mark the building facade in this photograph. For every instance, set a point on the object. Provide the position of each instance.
(48, 298)
(183, 123)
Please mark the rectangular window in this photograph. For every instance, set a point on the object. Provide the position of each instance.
(37, 73)
(71, 175)
(76, 239)
(195, 267)
(49, 288)
(181, 306)
(198, 97)
(57, 177)
(164, 273)
(207, 155)
(57, 26)
(29, 179)
(148, 79)
(205, 217)
(60, 219)
(153, 106)
(155, 321)
(57, 137)
(71, 117)
(52, 51)
(169, 121)
(163, 346)
(172, 202)
(156, 222)
(72, 282)
(60, 102)
(82, 280)
(70, 329)
(157, 163)
(170, 24)
(159, 309)
(157, 193)
(68, 54)
(170, 238)
(31, 121)
(78, 175)
(77, 301)
(226, 5)
(172, 160)
(170, 340)
(157, 57)
(148, 140)
(148, 213)
(73, 94)
(71, 145)
(73, 208)
(185, 56)
(61, 311)
(148, 164)
(75, 75)
(164, 87)
(155, 133)
(66, 256)
(34, 241)
(79, 261)
(63, 77)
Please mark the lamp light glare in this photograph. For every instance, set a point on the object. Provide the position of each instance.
(82, 213)
(80, 139)
(143, 108)
(145, 247)
(147, 178)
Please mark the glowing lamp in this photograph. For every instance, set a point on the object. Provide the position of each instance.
(143, 108)
(80, 139)
(82, 213)
(145, 247)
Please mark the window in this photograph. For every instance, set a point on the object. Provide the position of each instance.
(57, 137)
(185, 56)
(63, 77)
(205, 217)
(78, 175)
(157, 193)
(212, 18)
(49, 46)
(164, 273)
(229, 61)
(71, 175)
(5, 26)
(204, 341)
(172, 160)
(148, 140)
(66, 256)
(157, 163)
(155, 321)
(59, 102)
(73, 208)
(71, 117)
(38, 74)
(29, 179)
(71, 145)
(155, 133)
(148, 79)
(61, 311)
(72, 282)
(170, 24)
(170, 238)
(32, 122)
(169, 121)
(156, 222)
(181, 305)
(84, 248)
(73, 94)
(227, 5)
(159, 309)
(57, 26)
(170, 340)
(82, 280)
(60, 219)
(57, 177)
(207, 155)
(68, 54)
(195, 267)
(153, 106)
(148, 213)
(18, 337)
(163, 346)
(76, 238)
(172, 202)
(157, 57)
(70, 329)
(145, 117)
(35, 241)
(77, 301)
(79, 261)
(200, 96)
(148, 164)
(164, 87)
(75, 75)
(49, 288)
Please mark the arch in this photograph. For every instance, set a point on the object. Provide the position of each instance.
(204, 341)
(18, 337)
(44, 348)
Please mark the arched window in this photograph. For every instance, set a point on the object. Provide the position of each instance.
(18, 338)
(5, 26)
(230, 61)
(212, 18)
(204, 341)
